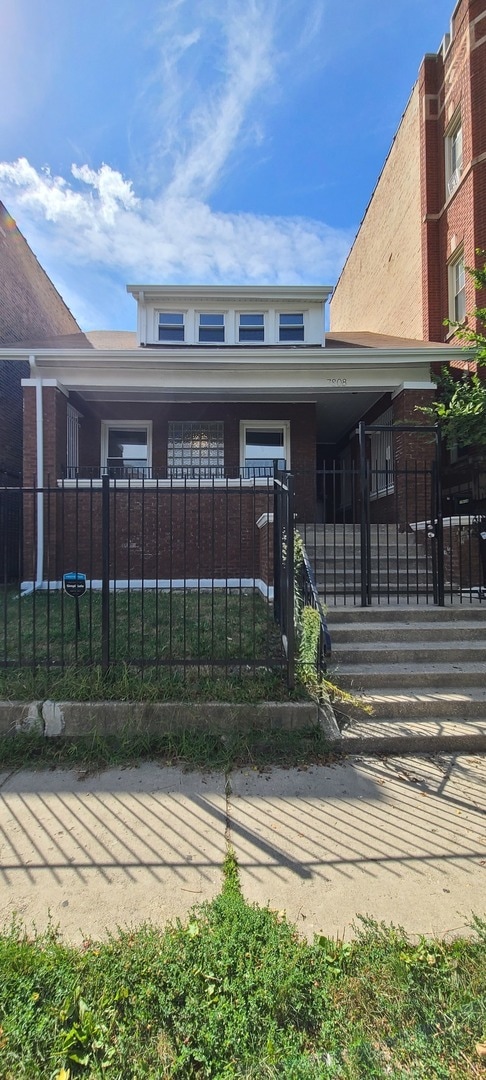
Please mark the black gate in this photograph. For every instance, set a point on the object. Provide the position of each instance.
(378, 534)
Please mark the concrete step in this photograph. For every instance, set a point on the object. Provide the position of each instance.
(412, 735)
(465, 612)
(459, 676)
(453, 654)
(405, 631)
(452, 704)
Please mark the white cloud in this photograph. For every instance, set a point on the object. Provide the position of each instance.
(171, 237)
(216, 65)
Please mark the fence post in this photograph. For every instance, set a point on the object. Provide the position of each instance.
(439, 523)
(277, 545)
(364, 535)
(105, 572)
(290, 590)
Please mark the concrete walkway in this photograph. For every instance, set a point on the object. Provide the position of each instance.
(403, 840)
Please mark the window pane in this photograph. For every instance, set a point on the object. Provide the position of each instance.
(251, 320)
(211, 333)
(211, 320)
(291, 320)
(171, 319)
(128, 445)
(291, 333)
(251, 333)
(262, 438)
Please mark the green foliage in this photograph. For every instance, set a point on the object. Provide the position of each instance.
(461, 407)
(233, 992)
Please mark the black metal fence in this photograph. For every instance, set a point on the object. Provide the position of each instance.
(175, 574)
(387, 536)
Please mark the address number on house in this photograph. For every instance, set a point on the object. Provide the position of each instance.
(337, 382)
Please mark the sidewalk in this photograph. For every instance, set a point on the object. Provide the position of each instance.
(403, 840)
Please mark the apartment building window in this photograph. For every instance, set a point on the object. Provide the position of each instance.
(382, 475)
(291, 326)
(251, 328)
(211, 328)
(171, 326)
(126, 448)
(453, 152)
(195, 448)
(457, 289)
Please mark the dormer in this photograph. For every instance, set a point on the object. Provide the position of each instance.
(216, 316)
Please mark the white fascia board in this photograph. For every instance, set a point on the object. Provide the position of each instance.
(261, 294)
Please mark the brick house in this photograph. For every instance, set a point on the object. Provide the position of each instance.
(186, 418)
(30, 309)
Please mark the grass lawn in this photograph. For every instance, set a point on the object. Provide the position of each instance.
(163, 646)
(234, 992)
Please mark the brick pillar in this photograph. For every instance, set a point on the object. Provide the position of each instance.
(414, 454)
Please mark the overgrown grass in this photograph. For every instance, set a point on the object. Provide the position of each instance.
(188, 646)
(128, 683)
(145, 627)
(234, 992)
(186, 749)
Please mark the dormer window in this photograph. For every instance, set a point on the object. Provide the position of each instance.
(291, 327)
(211, 328)
(251, 328)
(171, 326)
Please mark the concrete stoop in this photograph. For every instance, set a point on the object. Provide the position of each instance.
(421, 671)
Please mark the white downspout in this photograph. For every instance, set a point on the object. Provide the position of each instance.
(39, 430)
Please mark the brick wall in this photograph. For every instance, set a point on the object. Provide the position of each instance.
(30, 309)
(380, 287)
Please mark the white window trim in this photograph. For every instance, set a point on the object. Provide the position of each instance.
(175, 341)
(290, 341)
(224, 327)
(458, 257)
(265, 425)
(452, 176)
(125, 425)
(263, 327)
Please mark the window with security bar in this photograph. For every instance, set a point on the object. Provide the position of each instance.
(195, 449)
(382, 474)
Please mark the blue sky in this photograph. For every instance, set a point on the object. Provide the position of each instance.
(199, 141)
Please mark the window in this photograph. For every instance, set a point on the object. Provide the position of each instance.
(171, 326)
(195, 448)
(382, 476)
(262, 444)
(457, 289)
(126, 448)
(211, 328)
(291, 327)
(453, 152)
(251, 328)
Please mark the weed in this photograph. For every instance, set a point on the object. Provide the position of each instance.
(233, 992)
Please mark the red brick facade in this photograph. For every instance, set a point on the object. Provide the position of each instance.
(453, 83)
(30, 308)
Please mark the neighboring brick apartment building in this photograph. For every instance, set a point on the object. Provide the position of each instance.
(30, 309)
(405, 274)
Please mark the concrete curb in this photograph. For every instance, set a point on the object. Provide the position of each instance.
(73, 718)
